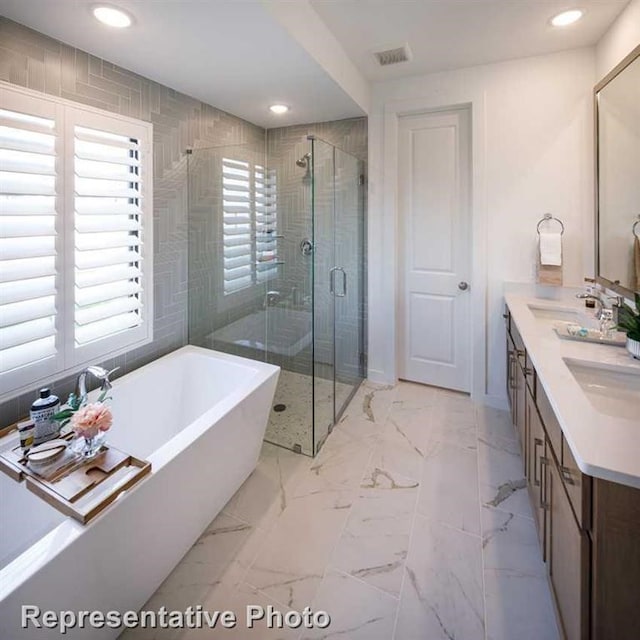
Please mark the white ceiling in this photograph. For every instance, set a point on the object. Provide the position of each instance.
(448, 34)
(231, 54)
(235, 55)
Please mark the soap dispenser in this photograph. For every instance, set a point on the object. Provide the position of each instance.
(42, 412)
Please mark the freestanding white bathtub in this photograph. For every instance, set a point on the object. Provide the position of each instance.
(199, 417)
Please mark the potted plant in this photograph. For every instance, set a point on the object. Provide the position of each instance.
(629, 321)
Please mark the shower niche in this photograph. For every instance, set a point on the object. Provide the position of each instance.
(276, 237)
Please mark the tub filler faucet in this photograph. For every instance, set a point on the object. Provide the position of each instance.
(97, 372)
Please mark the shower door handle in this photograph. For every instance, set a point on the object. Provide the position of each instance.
(332, 282)
(344, 283)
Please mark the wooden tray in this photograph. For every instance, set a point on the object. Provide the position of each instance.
(85, 490)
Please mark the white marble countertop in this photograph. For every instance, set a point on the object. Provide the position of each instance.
(604, 446)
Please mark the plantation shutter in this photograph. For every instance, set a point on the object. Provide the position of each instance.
(236, 225)
(29, 210)
(107, 232)
(266, 224)
(75, 237)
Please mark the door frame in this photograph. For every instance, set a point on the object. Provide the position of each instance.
(443, 100)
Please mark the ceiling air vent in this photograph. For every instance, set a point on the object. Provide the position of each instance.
(393, 56)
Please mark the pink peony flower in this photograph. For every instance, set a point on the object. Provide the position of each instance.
(91, 419)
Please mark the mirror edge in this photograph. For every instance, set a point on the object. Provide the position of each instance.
(621, 66)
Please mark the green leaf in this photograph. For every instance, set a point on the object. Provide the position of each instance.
(65, 414)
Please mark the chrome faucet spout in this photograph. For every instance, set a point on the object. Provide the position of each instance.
(596, 299)
(99, 373)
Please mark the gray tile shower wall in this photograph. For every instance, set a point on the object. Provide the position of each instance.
(285, 145)
(33, 60)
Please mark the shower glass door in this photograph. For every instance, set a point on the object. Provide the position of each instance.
(323, 215)
(338, 226)
(349, 278)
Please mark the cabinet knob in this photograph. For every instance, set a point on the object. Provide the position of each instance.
(463, 286)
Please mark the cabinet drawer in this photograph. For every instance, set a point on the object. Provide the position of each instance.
(551, 424)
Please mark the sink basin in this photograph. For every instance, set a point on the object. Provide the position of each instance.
(566, 314)
(612, 390)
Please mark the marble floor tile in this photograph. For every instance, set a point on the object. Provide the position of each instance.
(371, 402)
(374, 544)
(519, 606)
(494, 424)
(502, 482)
(238, 601)
(510, 542)
(449, 487)
(516, 589)
(263, 496)
(293, 558)
(339, 465)
(198, 573)
(398, 457)
(442, 593)
(416, 396)
(358, 611)
(358, 428)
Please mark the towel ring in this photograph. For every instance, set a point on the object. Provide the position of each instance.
(633, 229)
(548, 216)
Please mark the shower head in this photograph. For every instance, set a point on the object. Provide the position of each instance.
(304, 161)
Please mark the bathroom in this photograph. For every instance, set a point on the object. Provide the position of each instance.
(321, 399)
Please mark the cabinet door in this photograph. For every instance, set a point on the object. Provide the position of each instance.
(536, 449)
(521, 421)
(568, 559)
(616, 561)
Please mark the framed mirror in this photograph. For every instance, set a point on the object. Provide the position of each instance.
(617, 136)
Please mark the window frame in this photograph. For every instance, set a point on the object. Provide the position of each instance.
(68, 358)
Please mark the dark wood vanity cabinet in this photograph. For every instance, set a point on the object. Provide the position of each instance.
(588, 529)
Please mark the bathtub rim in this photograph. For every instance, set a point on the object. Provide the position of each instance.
(40, 553)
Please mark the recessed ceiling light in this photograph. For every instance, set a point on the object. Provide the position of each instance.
(112, 17)
(566, 18)
(279, 108)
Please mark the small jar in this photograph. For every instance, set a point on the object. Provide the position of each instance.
(27, 432)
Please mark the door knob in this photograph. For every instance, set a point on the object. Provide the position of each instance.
(463, 286)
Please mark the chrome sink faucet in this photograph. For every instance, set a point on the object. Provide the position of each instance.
(97, 372)
(615, 307)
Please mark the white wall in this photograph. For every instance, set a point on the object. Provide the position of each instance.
(533, 148)
(619, 40)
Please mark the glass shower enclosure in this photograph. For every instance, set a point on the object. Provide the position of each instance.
(276, 273)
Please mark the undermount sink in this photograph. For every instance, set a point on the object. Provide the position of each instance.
(612, 390)
(565, 314)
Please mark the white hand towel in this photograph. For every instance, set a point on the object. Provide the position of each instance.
(550, 248)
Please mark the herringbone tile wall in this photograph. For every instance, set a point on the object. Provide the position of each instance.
(33, 60)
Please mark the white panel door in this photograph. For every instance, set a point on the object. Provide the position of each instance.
(435, 251)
